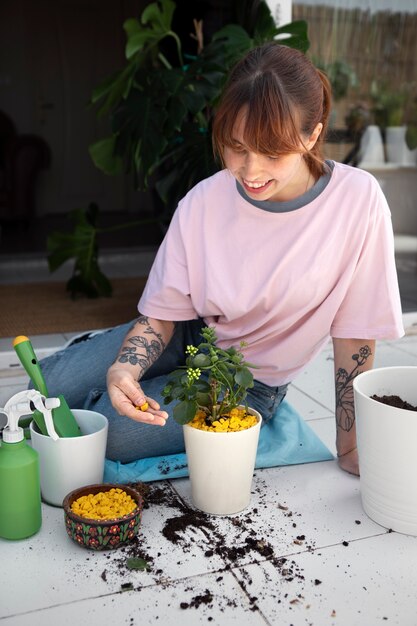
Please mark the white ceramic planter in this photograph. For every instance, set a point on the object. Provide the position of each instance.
(71, 462)
(371, 151)
(397, 150)
(221, 467)
(387, 447)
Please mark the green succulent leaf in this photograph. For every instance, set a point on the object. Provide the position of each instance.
(185, 411)
(201, 360)
(203, 399)
(244, 378)
(136, 563)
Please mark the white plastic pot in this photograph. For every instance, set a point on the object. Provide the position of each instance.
(371, 151)
(387, 447)
(71, 462)
(397, 150)
(221, 467)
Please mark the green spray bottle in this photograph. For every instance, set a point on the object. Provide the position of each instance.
(20, 494)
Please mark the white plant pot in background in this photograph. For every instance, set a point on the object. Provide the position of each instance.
(387, 447)
(221, 467)
(397, 150)
(371, 151)
(71, 462)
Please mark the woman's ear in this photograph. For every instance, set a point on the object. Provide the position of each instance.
(314, 136)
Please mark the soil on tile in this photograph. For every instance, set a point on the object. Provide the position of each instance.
(394, 401)
(234, 539)
(205, 598)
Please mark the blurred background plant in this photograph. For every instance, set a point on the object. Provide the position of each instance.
(341, 76)
(160, 106)
(395, 108)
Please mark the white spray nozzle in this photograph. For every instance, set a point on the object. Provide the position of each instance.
(40, 403)
(24, 403)
(52, 403)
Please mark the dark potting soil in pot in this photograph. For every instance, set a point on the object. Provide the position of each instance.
(394, 401)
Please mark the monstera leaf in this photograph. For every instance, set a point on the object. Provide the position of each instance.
(80, 245)
(160, 112)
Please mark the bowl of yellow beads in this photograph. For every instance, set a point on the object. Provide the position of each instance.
(103, 517)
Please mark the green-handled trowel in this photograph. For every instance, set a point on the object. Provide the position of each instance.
(64, 421)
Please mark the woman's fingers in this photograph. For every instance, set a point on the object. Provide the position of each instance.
(128, 399)
(124, 406)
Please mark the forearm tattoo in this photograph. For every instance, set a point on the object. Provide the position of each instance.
(143, 351)
(345, 410)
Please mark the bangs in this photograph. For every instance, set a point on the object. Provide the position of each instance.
(270, 122)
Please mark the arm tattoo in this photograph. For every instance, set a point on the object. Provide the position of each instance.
(143, 351)
(345, 412)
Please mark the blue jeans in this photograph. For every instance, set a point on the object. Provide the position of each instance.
(79, 374)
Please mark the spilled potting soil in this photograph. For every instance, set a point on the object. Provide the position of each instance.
(236, 541)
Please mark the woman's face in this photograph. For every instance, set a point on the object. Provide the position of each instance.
(264, 177)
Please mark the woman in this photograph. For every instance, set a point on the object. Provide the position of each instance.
(280, 249)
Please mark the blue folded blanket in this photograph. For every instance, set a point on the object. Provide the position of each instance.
(285, 440)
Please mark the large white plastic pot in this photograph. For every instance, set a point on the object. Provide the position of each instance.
(221, 467)
(71, 462)
(387, 447)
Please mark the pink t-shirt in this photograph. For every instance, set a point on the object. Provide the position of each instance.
(281, 280)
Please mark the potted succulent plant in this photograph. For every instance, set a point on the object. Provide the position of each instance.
(221, 433)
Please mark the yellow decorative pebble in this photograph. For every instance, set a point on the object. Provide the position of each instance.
(237, 420)
(104, 505)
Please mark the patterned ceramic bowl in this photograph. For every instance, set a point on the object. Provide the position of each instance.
(102, 534)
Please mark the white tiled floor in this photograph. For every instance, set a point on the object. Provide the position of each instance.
(345, 570)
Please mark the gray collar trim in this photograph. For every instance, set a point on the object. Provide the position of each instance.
(297, 203)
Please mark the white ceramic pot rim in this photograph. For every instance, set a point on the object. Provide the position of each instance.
(34, 428)
(375, 370)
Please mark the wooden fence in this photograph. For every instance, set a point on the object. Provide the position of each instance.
(379, 47)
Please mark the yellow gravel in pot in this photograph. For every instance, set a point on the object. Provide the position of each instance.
(237, 420)
(104, 505)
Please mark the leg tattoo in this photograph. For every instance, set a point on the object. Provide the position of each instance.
(345, 413)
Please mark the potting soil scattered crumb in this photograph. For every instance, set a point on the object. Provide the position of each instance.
(206, 598)
(235, 539)
(165, 468)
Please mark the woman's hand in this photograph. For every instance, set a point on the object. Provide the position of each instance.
(349, 462)
(127, 397)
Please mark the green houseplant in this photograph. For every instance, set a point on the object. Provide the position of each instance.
(220, 433)
(396, 107)
(160, 108)
(213, 382)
